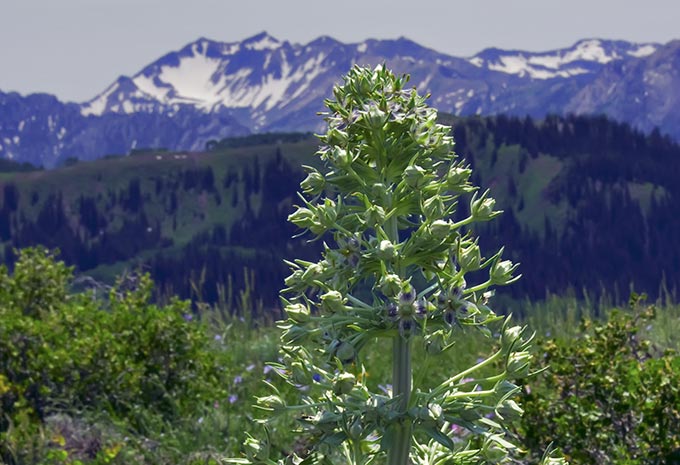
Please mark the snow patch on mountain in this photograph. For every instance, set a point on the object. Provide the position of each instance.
(643, 51)
(193, 79)
(534, 67)
(586, 56)
(590, 50)
(97, 105)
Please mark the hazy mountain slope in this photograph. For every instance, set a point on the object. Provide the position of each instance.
(210, 90)
(644, 92)
(588, 203)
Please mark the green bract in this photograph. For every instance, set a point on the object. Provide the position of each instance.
(395, 257)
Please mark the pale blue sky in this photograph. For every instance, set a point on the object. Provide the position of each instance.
(75, 48)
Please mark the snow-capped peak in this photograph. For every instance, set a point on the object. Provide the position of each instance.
(585, 56)
(265, 78)
(257, 74)
(261, 41)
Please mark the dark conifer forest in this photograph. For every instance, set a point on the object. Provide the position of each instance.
(590, 205)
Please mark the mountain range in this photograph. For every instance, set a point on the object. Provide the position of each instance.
(209, 90)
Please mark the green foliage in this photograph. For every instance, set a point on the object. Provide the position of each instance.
(609, 396)
(62, 351)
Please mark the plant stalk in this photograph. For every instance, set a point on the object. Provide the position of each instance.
(401, 388)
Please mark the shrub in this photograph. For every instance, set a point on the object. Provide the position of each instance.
(608, 397)
(62, 351)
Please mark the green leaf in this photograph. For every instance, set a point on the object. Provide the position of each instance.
(433, 432)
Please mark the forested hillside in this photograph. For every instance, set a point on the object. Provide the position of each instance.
(590, 204)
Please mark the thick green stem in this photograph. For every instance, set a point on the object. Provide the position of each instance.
(402, 375)
(401, 388)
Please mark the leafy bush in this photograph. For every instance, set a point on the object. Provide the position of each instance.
(61, 351)
(609, 397)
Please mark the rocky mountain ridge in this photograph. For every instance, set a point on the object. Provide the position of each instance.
(209, 90)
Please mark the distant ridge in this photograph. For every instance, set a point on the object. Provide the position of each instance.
(209, 90)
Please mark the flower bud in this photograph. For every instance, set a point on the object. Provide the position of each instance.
(375, 117)
(302, 218)
(327, 213)
(554, 460)
(501, 272)
(457, 180)
(314, 183)
(379, 193)
(353, 244)
(374, 216)
(470, 258)
(440, 229)
(518, 364)
(509, 410)
(344, 383)
(294, 279)
(435, 343)
(456, 292)
(442, 300)
(335, 136)
(390, 284)
(482, 208)
(312, 272)
(332, 302)
(450, 317)
(256, 451)
(341, 157)
(386, 250)
(434, 411)
(345, 352)
(510, 337)
(433, 207)
(414, 176)
(298, 312)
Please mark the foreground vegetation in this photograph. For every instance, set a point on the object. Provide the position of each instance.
(88, 379)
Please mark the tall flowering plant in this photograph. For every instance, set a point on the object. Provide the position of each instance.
(393, 269)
